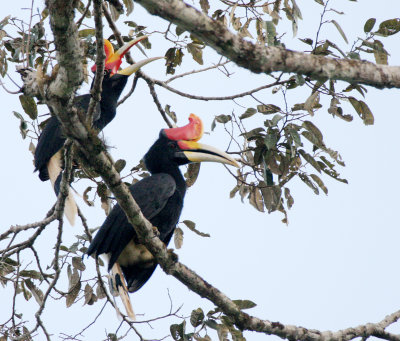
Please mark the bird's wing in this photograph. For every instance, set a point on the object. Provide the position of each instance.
(51, 140)
(151, 194)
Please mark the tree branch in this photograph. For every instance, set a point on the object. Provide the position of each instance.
(100, 62)
(93, 152)
(261, 59)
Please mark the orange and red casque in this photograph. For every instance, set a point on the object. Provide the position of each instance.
(193, 131)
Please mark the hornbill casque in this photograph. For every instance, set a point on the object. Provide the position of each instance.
(160, 197)
(48, 155)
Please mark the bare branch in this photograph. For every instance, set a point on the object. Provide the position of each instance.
(100, 62)
(150, 83)
(196, 71)
(216, 98)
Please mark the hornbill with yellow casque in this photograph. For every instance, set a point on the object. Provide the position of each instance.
(160, 198)
(48, 155)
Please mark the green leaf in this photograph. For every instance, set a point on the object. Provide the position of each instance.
(90, 297)
(119, 165)
(271, 196)
(311, 102)
(320, 2)
(100, 292)
(173, 59)
(129, 6)
(178, 331)
(389, 27)
(340, 30)
(223, 118)
(29, 106)
(213, 125)
(205, 6)
(289, 198)
(170, 113)
(31, 274)
(23, 126)
(27, 294)
(307, 41)
(310, 160)
(248, 113)
(270, 140)
(362, 110)
(179, 30)
(86, 33)
(4, 22)
(300, 79)
(78, 264)
(315, 135)
(271, 32)
(233, 192)
(276, 119)
(296, 137)
(192, 173)
(86, 196)
(244, 304)
(196, 317)
(192, 227)
(256, 132)
(178, 238)
(319, 182)
(369, 25)
(196, 51)
(36, 292)
(380, 54)
(308, 182)
(268, 109)
(73, 293)
(255, 199)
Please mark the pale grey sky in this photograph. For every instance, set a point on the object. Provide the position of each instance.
(334, 266)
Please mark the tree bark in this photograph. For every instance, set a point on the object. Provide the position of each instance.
(261, 59)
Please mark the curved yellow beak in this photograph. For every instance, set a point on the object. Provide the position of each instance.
(135, 67)
(199, 152)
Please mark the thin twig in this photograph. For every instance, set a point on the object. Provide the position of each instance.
(196, 71)
(100, 62)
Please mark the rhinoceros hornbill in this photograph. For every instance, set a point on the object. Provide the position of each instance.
(48, 155)
(160, 198)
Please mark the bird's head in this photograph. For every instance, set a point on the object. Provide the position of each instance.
(114, 59)
(180, 146)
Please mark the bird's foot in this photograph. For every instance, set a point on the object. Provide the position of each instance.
(173, 256)
(156, 232)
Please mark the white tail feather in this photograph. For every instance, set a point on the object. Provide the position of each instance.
(54, 169)
(118, 284)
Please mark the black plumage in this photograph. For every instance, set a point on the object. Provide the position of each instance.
(51, 139)
(160, 198)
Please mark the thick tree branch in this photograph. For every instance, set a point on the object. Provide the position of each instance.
(100, 62)
(94, 154)
(260, 59)
(69, 56)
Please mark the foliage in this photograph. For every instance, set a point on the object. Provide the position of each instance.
(275, 144)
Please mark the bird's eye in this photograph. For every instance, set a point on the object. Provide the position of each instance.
(171, 146)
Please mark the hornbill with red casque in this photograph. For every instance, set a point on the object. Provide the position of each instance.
(48, 156)
(160, 198)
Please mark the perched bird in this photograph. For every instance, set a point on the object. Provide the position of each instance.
(160, 198)
(48, 155)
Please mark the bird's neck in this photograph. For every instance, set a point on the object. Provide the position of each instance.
(180, 181)
(174, 171)
(110, 94)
